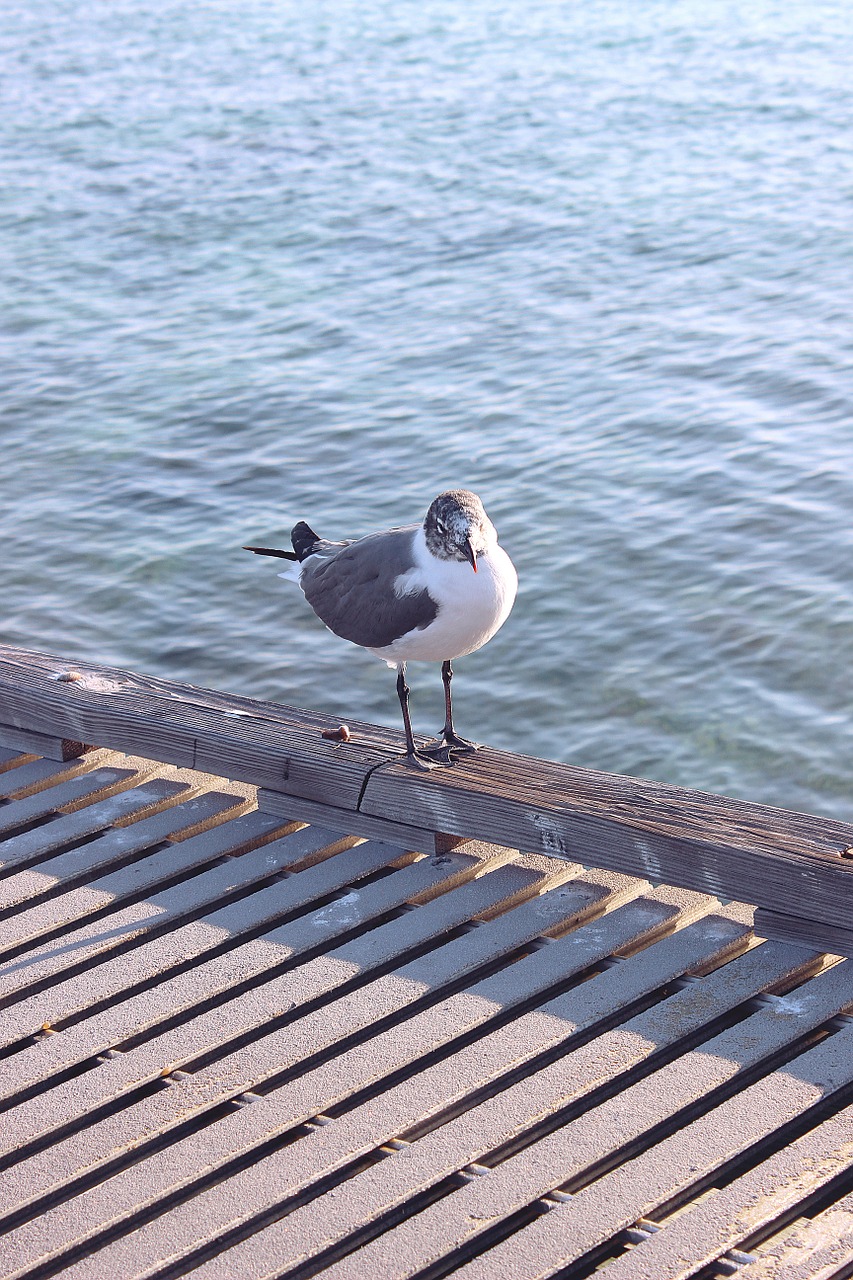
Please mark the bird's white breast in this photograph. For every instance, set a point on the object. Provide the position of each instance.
(471, 606)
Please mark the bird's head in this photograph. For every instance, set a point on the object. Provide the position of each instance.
(457, 528)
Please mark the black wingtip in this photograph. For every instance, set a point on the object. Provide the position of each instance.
(304, 539)
(272, 551)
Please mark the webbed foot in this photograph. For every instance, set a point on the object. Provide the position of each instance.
(417, 760)
(447, 746)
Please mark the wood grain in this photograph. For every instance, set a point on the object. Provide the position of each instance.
(820, 935)
(356, 824)
(41, 744)
(789, 863)
(259, 742)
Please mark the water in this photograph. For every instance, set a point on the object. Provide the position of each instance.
(265, 261)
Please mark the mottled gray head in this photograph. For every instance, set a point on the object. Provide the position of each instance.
(457, 528)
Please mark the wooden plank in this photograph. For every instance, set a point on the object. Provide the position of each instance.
(387, 995)
(478, 1065)
(41, 744)
(89, 864)
(551, 911)
(372, 1193)
(22, 884)
(9, 759)
(519, 1180)
(260, 1120)
(246, 1065)
(188, 940)
(258, 961)
(413, 1037)
(67, 1002)
(411, 881)
(787, 862)
(35, 775)
(264, 743)
(813, 1248)
(355, 823)
(704, 1231)
(31, 846)
(502, 1120)
(770, 857)
(91, 944)
(117, 1074)
(487, 1124)
(149, 1058)
(149, 874)
(634, 1190)
(67, 873)
(822, 935)
(86, 788)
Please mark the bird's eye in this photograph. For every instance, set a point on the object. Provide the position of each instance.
(441, 526)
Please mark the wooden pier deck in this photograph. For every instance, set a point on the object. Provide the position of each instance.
(320, 1029)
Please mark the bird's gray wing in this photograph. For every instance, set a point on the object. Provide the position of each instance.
(350, 586)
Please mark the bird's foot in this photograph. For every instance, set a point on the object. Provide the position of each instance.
(437, 752)
(447, 746)
(417, 760)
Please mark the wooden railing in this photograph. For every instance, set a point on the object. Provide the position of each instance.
(796, 868)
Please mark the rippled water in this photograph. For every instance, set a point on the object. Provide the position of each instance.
(265, 261)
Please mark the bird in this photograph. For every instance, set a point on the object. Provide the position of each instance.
(429, 592)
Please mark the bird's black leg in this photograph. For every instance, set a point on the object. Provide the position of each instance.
(413, 756)
(448, 732)
(448, 740)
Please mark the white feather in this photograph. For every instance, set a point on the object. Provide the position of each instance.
(471, 606)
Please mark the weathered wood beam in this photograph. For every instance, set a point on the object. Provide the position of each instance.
(354, 823)
(41, 744)
(819, 935)
(792, 864)
(263, 743)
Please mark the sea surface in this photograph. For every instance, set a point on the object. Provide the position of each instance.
(264, 261)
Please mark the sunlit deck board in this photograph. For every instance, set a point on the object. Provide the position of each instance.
(235, 1045)
(19, 816)
(814, 1247)
(32, 775)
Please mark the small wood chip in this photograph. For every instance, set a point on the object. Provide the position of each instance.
(341, 734)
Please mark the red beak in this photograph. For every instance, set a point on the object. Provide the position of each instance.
(471, 554)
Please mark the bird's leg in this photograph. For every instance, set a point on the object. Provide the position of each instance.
(413, 756)
(448, 732)
(448, 739)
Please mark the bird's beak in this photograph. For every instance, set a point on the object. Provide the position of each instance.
(470, 553)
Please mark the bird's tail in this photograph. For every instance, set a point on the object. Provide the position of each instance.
(304, 540)
(272, 551)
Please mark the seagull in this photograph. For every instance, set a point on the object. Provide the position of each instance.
(426, 592)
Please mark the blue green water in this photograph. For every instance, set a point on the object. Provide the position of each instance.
(264, 261)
